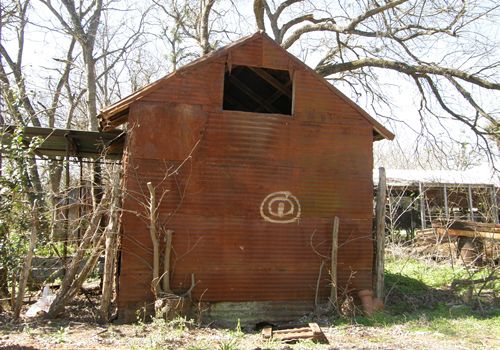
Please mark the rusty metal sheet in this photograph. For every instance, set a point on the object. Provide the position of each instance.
(230, 231)
(251, 197)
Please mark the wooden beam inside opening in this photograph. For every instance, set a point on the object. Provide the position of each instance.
(250, 93)
(277, 95)
(272, 81)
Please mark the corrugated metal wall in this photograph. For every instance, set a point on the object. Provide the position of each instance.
(322, 156)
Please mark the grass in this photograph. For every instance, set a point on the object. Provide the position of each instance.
(424, 275)
(422, 311)
(420, 299)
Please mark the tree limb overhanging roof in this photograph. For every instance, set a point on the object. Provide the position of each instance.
(116, 113)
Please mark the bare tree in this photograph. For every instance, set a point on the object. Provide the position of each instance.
(443, 51)
(202, 22)
(82, 22)
(18, 100)
(440, 154)
(446, 48)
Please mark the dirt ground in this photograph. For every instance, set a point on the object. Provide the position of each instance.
(75, 335)
(437, 320)
(79, 331)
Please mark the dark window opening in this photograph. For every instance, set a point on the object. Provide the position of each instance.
(258, 90)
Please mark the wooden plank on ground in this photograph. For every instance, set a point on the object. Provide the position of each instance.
(467, 233)
(312, 332)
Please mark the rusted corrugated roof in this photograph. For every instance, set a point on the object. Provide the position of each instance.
(117, 113)
(65, 142)
(482, 176)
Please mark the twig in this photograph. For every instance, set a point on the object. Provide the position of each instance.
(188, 292)
(316, 296)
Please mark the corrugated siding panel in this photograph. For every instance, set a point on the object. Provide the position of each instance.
(184, 88)
(273, 58)
(322, 156)
(316, 103)
(249, 54)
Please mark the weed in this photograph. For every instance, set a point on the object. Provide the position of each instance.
(60, 335)
(199, 347)
(237, 332)
(238, 327)
(29, 331)
(230, 344)
(181, 323)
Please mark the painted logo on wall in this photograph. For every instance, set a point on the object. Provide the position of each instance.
(280, 208)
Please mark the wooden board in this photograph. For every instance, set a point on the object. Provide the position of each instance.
(312, 332)
(467, 233)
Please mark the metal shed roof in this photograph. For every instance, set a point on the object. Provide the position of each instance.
(410, 177)
(74, 143)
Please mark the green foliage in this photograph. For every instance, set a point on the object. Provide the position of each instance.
(60, 335)
(15, 206)
(180, 323)
(28, 330)
(48, 249)
(237, 332)
(230, 344)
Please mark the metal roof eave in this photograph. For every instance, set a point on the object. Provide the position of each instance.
(67, 142)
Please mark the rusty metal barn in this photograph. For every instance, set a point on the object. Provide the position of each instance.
(253, 154)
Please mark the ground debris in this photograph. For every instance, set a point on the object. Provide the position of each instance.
(312, 332)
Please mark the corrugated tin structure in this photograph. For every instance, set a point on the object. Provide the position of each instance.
(427, 196)
(66, 142)
(253, 154)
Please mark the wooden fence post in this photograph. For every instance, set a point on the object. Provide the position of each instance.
(333, 271)
(380, 234)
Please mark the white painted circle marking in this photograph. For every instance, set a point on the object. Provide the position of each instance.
(280, 208)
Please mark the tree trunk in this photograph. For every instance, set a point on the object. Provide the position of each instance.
(91, 238)
(4, 290)
(91, 88)
(23, 279)
(111, 233)
(155, 283)
(204, 25)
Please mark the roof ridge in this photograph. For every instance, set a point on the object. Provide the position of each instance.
(119, 108)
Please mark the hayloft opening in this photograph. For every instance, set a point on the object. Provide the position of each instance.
(258, 90)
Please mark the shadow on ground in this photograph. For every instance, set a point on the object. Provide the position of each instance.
(409, 300)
